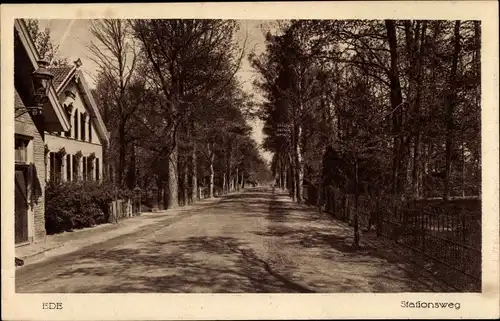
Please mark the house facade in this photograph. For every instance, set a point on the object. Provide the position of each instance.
(37, 110)
(77, 153)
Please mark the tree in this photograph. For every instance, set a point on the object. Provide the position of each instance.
(44, 44)
(168, 91)
(451, 103)
(190, 63)
(373, 99)
(115, 54)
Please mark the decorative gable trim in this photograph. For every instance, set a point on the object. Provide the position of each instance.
(88, 100)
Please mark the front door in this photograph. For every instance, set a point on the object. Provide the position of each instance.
(21, 207)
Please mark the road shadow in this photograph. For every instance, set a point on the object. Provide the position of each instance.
(217, 264)
(194, 264)
(303, 227)
(254, 203)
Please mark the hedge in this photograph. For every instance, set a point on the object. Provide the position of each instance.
(76, 205)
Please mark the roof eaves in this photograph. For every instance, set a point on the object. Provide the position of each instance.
(20, 25)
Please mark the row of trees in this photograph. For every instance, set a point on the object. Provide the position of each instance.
(169, 92)
(170, 96)
(373, 107)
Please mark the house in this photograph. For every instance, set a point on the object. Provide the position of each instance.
(37, 110)
(77, 153)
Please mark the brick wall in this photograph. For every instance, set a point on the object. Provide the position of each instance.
(25, 125)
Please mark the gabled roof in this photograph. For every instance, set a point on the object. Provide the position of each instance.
(63, 75)
(60, 74)
(34, 57)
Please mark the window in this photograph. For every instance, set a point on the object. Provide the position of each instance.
(84, 172)
(89, 169)
(52, 165)
(68, 167)
(97, 169)
(76, 126)
(59, 163)
(90, 131)
(75, 168)
(21, 150)
(55, 167)
(82, 127)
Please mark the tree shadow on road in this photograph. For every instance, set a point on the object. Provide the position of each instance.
(219, 264)
(194, 264)
(303, 227)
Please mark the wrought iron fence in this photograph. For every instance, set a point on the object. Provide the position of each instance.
(445, 237)
(447, 233)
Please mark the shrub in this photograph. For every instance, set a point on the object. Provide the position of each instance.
(76, 205)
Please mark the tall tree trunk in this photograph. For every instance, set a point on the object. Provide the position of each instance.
(451, 104)
(131, 177)
(321, 184)
(122, 154)
(416, 46)
(396, 106)
(424, 173)
(285, 172)
(416, 114)
(293, 179)
(173, 181)
(280, 173)
(416, 152)
(463, 164)
(185, 183)
(194, 174)
(356, 199)
(237, 178)
(299, 166)
(211, 171)
(228, 170)
(476, 171)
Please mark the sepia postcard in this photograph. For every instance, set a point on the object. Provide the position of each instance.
(265, 160)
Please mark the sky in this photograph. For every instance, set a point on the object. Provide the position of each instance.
(74, 38)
